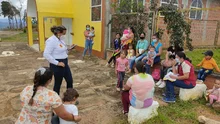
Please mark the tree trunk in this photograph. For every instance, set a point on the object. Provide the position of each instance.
(16, 22)
(9, 22)
(20, 22)
(13, 24)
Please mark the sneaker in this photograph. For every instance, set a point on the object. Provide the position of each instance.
(164, 94)
(113, 65)
(208, 104)
(107, 64)
(169, 100)
(162, 85)
(159, 82)
(118, 89)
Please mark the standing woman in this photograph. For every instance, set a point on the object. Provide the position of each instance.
(56, 53)
(158, 48)
(88, 42)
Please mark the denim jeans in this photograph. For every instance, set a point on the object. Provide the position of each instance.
(203, 73)
(121, 76)
(88, 46)
(135, 60)
(178, 83)
(60, 73)
(156, 60)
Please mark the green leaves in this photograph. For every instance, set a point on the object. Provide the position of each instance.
(177, 26)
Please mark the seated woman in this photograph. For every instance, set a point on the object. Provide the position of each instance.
(184, 77)
(38, 102)
(158, 48)
(167, 63)
(139, 89)
(141, 48)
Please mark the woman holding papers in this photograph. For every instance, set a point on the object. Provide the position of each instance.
(183, 75)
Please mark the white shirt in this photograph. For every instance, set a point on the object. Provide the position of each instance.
(55, 49)
(71, 109)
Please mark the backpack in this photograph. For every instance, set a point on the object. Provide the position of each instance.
(156, 74)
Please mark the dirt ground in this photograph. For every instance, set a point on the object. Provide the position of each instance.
(99, 101)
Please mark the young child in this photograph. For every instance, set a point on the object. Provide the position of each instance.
(131, 52)
(151, 55)
(214, 93)
(92, 33)
(69, 101)
(208, 64)
(120, 68)
(116, 52)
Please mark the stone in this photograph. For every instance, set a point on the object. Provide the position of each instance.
(192, 94)
(204, 120)
(78, 61)
(138, 116)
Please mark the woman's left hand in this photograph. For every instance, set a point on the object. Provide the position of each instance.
(173, 76)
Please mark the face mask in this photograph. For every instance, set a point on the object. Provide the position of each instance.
(87, 29)
(142, 38)
(154, 40)
(177, 61)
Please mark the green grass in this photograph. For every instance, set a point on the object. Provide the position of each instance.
(21, 37)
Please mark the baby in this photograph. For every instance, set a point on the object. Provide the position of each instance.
(92, 34)
(214, 93)
(69, 101)
(151, 55)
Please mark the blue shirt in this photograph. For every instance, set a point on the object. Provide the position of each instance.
(157, 47)
(117, 44)
(55, 49)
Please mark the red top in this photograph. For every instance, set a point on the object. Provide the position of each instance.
(192, 77)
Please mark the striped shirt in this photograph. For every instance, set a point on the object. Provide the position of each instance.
(55, 49)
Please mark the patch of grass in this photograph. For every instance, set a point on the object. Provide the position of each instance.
(21, 37)
(177, 113)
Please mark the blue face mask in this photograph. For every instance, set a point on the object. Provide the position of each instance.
(154, 40)
(87, 29)
(177, 61)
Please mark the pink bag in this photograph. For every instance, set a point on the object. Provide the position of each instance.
(156, 74)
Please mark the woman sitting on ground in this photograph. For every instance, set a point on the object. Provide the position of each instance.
(184, 76)
(139, 89)
(167, 63)
(38, 102)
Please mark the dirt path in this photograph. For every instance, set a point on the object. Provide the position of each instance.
(98, 99)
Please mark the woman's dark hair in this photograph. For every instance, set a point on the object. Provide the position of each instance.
(92, 28)
(42, 76)
(63, 27)
(142, 33)
(132, 29)
(157, 35)
(118, 34)
(87, 26)
(140, 67)
(56, 29)
(70, 94)
(183, 55)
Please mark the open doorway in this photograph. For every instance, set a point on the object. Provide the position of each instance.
(67, 22)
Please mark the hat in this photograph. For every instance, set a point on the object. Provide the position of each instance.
(208, 53)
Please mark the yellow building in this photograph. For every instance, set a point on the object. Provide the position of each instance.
(74, 15)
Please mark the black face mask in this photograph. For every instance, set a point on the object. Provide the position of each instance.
(141, 38)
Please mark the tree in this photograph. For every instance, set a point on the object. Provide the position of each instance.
(177, 27)
(6, 11)
(20, 9)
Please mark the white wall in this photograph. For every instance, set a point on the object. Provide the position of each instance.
(31, 8)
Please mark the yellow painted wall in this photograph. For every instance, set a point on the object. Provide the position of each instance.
(82, 17)
(48, 23)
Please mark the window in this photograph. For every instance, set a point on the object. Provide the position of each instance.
(129, 6)
(96, 10)
(196, 14)
(167, 2)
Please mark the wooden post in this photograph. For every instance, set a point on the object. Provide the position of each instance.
(217, 33)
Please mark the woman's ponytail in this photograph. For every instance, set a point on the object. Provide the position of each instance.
(36, 84)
